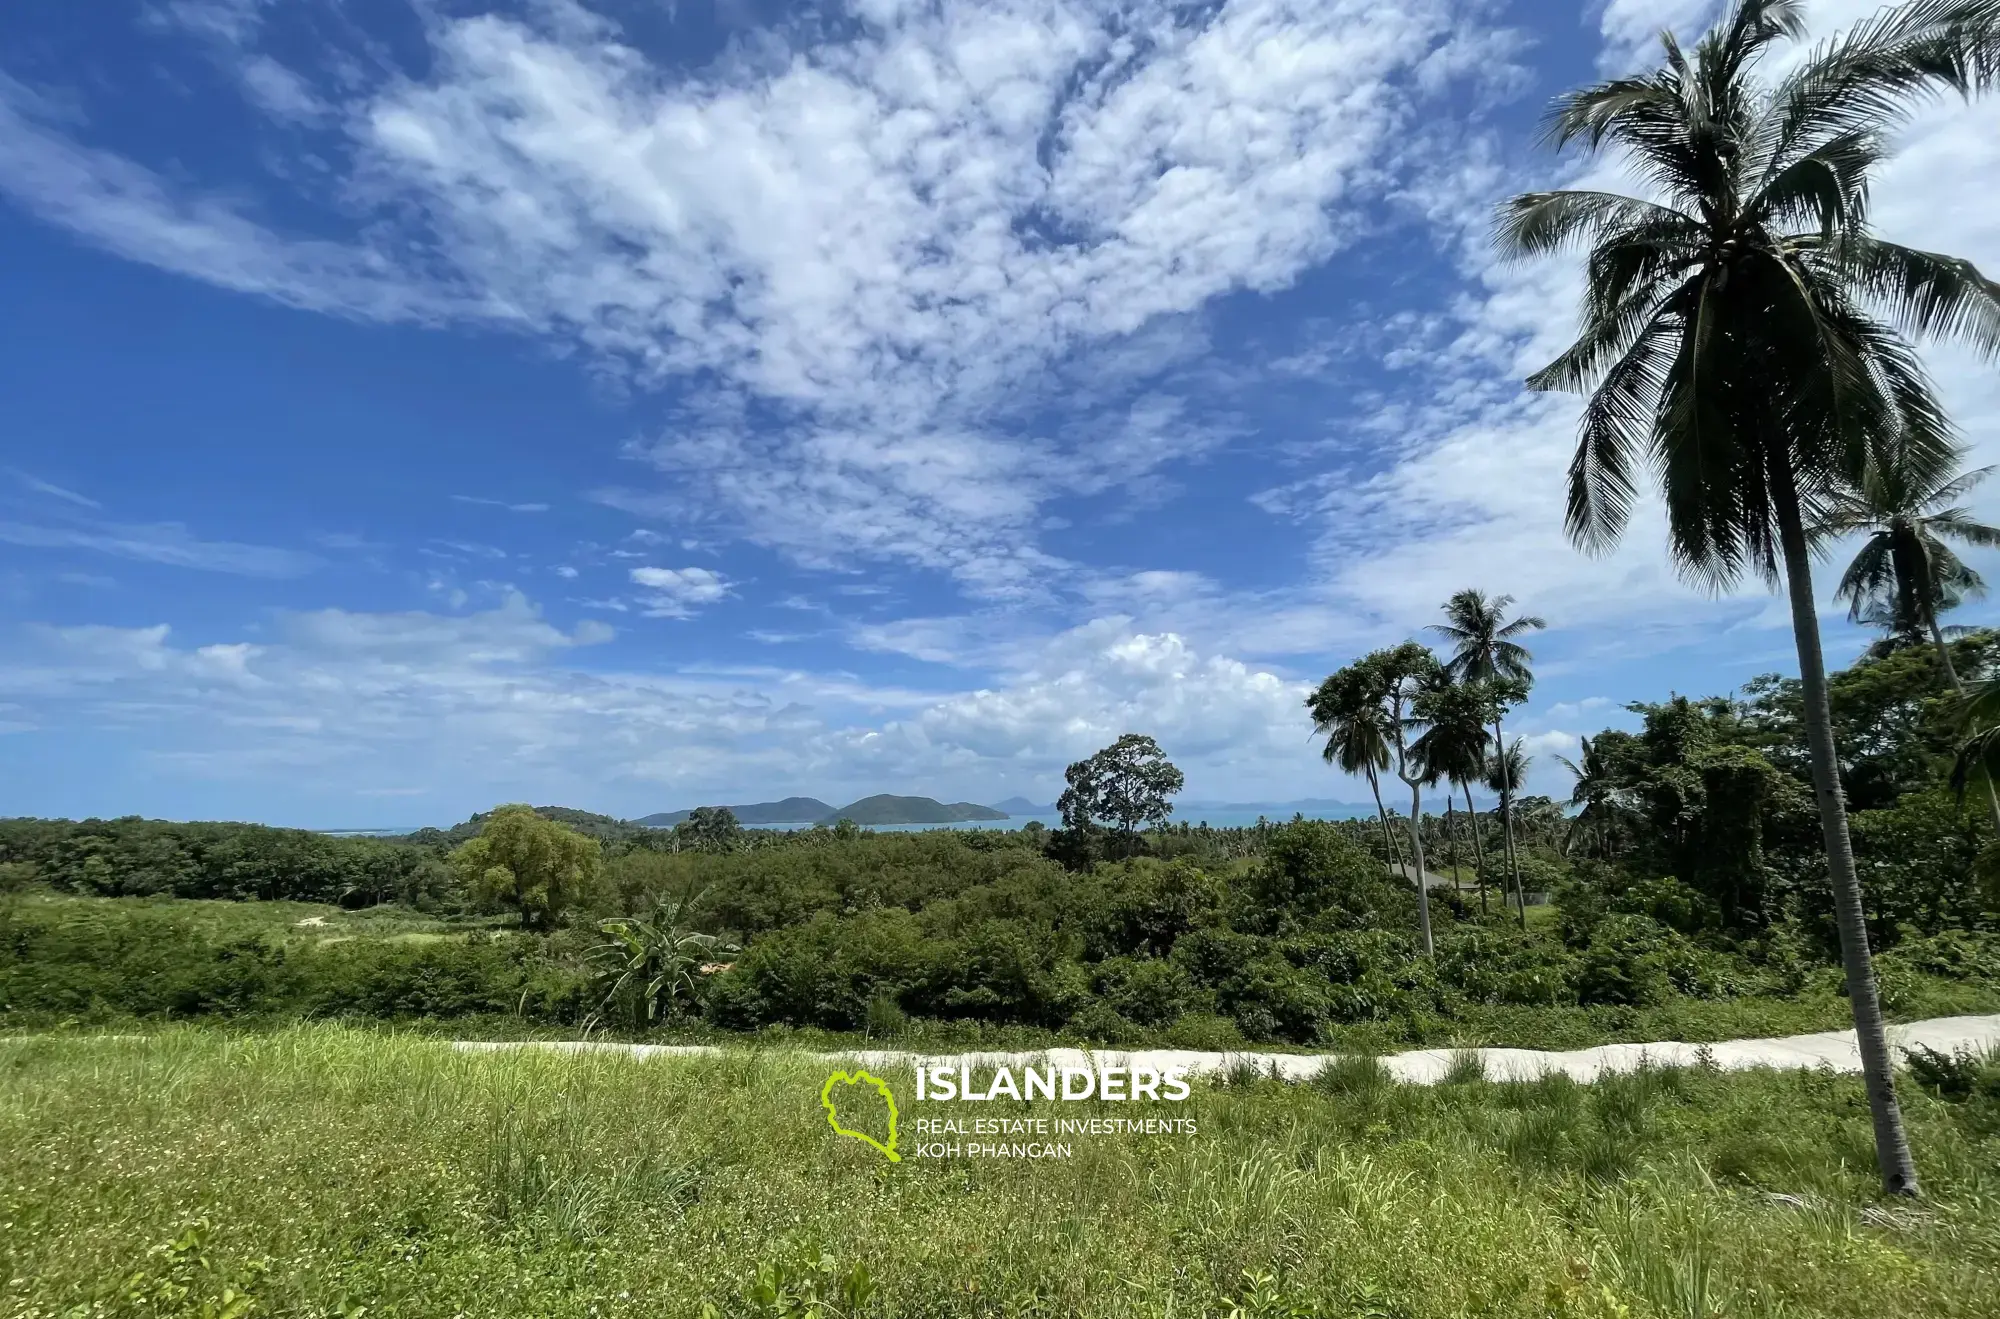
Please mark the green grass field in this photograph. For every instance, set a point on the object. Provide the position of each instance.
(320, 1171)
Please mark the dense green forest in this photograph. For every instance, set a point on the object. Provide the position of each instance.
(1684, 881)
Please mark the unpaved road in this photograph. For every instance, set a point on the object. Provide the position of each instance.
(1834, 1049)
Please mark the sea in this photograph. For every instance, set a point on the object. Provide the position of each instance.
(1217, 818)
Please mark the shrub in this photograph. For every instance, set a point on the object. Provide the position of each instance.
(1100, 1023)
(1619, 966)
(1955, 1077)
(1151, 991)
(1313, 873)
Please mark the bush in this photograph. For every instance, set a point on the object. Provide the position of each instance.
(1151, 991)
(1955, 1077)
(1313, 874)
(1620, 965)
(101, 962)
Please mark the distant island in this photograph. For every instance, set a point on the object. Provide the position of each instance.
(792, 810)
(887, 809)
(881, 809)
(1022, 806)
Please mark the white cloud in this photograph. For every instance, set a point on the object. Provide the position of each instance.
(500, 503)
(161, 542)
(495, 702)
(1631, 30)
(676, 592)
(1456, 476)
(878, 247)
(54, 491)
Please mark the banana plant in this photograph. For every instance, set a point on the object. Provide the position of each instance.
(650, 963)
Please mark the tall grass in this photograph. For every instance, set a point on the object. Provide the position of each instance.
(320, 1171)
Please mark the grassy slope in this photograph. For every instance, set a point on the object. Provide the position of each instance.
(339, 1169)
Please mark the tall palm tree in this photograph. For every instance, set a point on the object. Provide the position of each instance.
(1453, 748)
(1406, 673)
(1905, 574)
(1348, 713)
(1740, 332)
(1596, 793)
(1502, 770)
(1484, 650)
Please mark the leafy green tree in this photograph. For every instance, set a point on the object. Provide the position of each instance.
(1127, 785)
(1728, 342)
(709, 829)
(1896, 722)
(1484, 650)
(535, 866)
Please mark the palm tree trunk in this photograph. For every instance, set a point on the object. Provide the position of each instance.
(1892, 1146)
(1417, 847)
(1478, 850)
(1951, 674)
(1507, 820)
(1382, 814)
(1451, 839)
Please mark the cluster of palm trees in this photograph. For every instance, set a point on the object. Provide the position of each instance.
(1436, 722)
(1747, 339)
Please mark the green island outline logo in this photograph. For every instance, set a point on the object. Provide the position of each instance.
(833, 1118)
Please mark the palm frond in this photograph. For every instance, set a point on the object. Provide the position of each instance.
(1615, 431)
(1879, 71)
(1957, 524)
(1928, 295)
(1827, 188)
(1537, 223)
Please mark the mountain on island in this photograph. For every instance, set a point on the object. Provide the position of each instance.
(887, 809)
(1022, 806)
(792, 810)
(882, 809)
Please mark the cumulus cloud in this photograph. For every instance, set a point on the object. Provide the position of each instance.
(676, 592)
(876, 243)
(501, 700)
(1456, 476)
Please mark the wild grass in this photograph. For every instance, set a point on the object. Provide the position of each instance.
(322, 1171)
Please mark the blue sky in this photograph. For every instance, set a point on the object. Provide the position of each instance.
(417, 405)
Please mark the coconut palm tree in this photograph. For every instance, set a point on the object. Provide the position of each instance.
(1741, 335)
(1484, 650)
(1406, 673)
(1503, 771)
(1905, 574)
(1597, 795)
(1391, 680)
(1453, 748)
(1348, 713)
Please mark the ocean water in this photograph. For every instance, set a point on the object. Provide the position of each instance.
(1214, 819)
(1217, 819)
